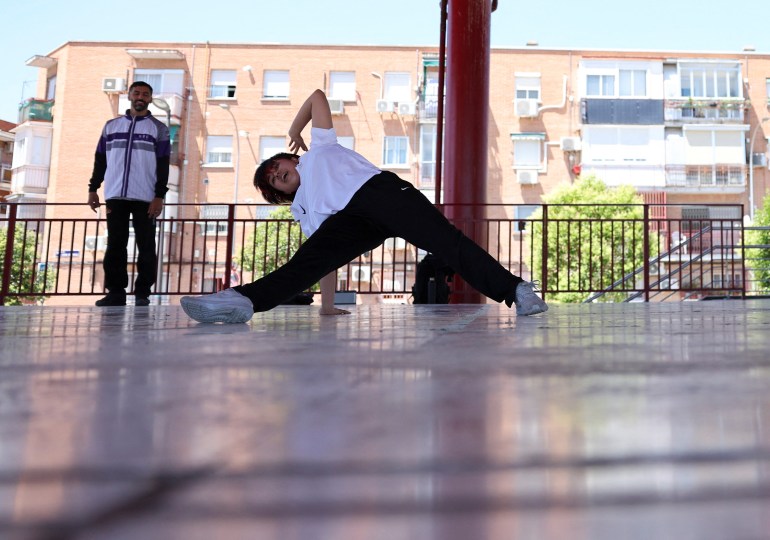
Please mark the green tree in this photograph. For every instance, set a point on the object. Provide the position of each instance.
(272, 243)
(759, 258)
(25, 277)
(595, 237)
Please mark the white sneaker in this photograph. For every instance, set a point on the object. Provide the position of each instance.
(228, 306)
(527, 302)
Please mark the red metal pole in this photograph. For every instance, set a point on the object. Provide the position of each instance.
(467, 106)
(230, 243)
(5, 283)
(440, 110)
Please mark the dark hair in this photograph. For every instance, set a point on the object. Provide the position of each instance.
(269, 193)
(139, 83)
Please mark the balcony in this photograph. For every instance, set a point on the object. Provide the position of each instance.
(38, 110)
(722, 176)
(705, 111)
(428, 108)
(621, 111)
(30, 179)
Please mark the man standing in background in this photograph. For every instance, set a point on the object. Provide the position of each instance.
(132, 159)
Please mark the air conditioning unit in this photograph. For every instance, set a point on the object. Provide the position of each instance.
(113, 84)
(760, 159)
(527, 108)
(406, 109)
(360, 273)
(337, 106)
(384, 105)
(98, 243)
(570, 144)
(526, 176)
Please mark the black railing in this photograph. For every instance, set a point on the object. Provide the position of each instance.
(621, 255)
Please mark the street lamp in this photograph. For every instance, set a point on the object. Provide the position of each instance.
(226, 107)
(751, 166)
(245, 134)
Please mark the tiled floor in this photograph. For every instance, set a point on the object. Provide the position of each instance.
(591, 422)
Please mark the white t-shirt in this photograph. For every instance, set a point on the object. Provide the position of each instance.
(330, 175)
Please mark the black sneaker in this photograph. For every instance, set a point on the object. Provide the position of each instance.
(111, 300)
(142, 301)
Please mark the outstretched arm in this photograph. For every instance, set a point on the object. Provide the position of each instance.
(315, 108)
(328, 286)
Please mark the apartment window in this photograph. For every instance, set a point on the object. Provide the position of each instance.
(767, 90)
(527, 86)
(430, 95)
(219, 150)
(163, 81)
(276, 84)
(619, 145)
(527, 150)
(215, 228)
(710, 80)
(50, 91)
(342, 85)
(632, 83)
(398, 87)
(600, 85)
(427, 154)
(347, 142)
(394, 151)
(270, 146)
(222, 83)
(524, 213)
(19, 152)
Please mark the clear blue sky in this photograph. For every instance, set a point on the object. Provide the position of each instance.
(39, 26)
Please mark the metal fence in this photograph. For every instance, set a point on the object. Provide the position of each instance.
(578, 252)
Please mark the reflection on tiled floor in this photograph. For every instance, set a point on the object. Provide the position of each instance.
(591, 422)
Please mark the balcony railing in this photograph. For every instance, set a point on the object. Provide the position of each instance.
(37, 110)
(625, 252)
(428, 108)
(705, 110)
(704, 176)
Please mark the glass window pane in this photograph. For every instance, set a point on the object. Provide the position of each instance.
(222, 83)
(592, 85)
(698, 84)
(640, 83)
(347, 142)
(270, 146)
(526, 153)
(398, 87)
(686, 82)
(219, 149)
(527, 87)
(276, 84)
(608, 85)
(394, 151)
(342, 85)
(428, 142)
(625, 82)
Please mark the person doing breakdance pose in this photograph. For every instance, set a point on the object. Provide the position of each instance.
(346, 206)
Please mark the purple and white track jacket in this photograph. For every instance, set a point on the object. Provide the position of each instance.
(132, 158)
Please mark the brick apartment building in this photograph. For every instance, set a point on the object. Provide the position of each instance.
(6, 158)
(671, 123)
(682, 127)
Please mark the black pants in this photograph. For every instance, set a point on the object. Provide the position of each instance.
(116, 258)
(384, 207)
